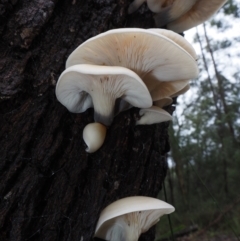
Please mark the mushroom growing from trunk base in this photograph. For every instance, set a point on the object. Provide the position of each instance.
(127, 218)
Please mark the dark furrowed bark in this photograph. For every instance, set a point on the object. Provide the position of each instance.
(50, 188)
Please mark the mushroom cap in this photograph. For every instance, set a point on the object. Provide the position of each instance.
(135, 5)
(155, 208)
(163, 102)
(135, 49)
(158, 5)
(178, 39)
(172, 10)
(94, 135)
(102, 85)
(182, 91)
(201, 11)
(178, 8)
(153, 115)
(164, 89)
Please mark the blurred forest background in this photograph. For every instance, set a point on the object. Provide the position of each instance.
(203, 181)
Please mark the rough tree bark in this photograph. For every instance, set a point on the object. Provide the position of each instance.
(50, 188)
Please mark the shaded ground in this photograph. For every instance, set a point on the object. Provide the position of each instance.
(219, 237)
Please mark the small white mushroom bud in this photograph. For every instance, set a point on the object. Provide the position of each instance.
(94, 135)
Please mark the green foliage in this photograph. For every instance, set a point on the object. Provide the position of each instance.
(232, 8)
(220, 45)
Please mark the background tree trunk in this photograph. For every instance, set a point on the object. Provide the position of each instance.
(50, 188)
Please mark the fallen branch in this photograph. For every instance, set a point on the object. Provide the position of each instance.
(182, 233)
(219, 218)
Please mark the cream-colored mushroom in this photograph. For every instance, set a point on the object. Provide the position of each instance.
(166, 89)
(182, 91)
(179, 15)
(94, 135)
(173, 10)
(84, 86)
(167, 10)
(173, 62)
(153, 115)
(163, 102)
(135, 49)
(102, 85)
(200, 12)
(161, 89)
(154, 5)
(127, 218)
(135, 5)
(178, 39)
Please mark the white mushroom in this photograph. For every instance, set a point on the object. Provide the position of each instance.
(127, 218)
(178, 39)
(135, 5)
(83, 86)
(167, 10)
(201, 11)
(173, 10)
(94, 135)
(164, 89)
(153, 115)
(182, 91)
(154, 5)
(179, 15)
(163, 102)
(143, 51)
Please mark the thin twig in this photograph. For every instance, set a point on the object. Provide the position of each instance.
(219, 217)
(169, 219)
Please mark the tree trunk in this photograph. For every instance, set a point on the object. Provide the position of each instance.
(50, 188)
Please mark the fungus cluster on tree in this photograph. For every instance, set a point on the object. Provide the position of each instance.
(132, 67)
(122, 68)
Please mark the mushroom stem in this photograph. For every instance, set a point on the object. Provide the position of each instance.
(125, 228)
(104, 105)
(128, 227)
